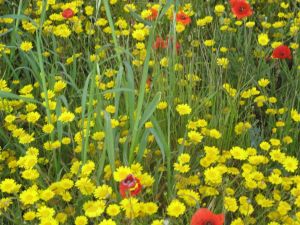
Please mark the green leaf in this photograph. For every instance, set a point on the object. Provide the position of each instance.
(118, 85)
(150, 109)
(164, 9)
(142, 145)
(109, 141)
(4, 94)
(130, 96)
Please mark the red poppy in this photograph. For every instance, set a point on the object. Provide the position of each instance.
(204, 216)
(241, 9)
(148, 82)
(183, 18)
(282, 52)
(233, 2)
(67, 13)
(154, 14)
(177, 47)
(130, 186)
(160, 43)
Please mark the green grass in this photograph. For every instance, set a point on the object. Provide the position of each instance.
(156, 148)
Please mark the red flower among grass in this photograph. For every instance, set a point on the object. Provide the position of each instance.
(232, 2)
(160, 43)
(67, 13)
(154, 14)
(183, 18)
(130, 186)
(241, 8)
(204, 216)
(282, 52)
(148, 82)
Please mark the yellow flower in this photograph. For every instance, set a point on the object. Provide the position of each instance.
(112, 2)
(180, 27)
(263, 82)
(61, 217)
(89, 10)
(85, 185)
(139, 34)
(87, 168)
(213, 176)
(107, 222)
(121, 173)
(183, 109)
(94, 208)
(98, 136)
(157, 222)
(275, 178)
(263, 39)
(30, 215)
(48, 128)
(184, 158)
(209, 43)
(162, 105)
(29, 196)
(223, 62)
(238, 153)
(26, 46)
(219, 9)
(9, 186)
(103, 192)
(215, 134)
(59, 86)
(290, 164)
(149, 208)
(101, 22)
(164, 62)
(131, 206)
(148, 125)
(283, 208)
(176, 208)
(190, 197)
(295, 115)
(113, 210)
(237, 221)
(33, 117)
(10, 118)
(129, 7)
(265, 145)
(66, 117)
(62, 31)
(45, 212)
(273, 223)
(230, 204)
(47, 194)
(242, 127)
(263, 201)
(250, 24)
(110, 109)
(181, 168)
(287, 140)
(195, 136)
(114, 123)
(146, 180)
(30, 174)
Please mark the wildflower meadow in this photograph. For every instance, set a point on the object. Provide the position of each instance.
(149, 112)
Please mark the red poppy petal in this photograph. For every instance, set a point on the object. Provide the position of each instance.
(204, 216)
